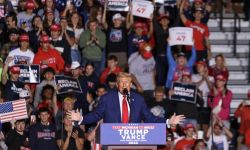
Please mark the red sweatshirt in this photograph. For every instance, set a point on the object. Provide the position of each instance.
(105, 74)
(225, 107)
(53, 57)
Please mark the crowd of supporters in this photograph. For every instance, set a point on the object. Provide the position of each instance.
(84, 40)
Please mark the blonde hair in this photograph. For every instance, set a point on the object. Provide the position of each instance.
(124, 75)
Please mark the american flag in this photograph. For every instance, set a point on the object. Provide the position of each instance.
(14, 110)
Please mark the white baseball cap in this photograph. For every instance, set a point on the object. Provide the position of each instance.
(117, 16)
(74, 65)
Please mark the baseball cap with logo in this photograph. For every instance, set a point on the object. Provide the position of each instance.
(186, 73)
(55, 27)
(189, 126)
(146, 49)
(44, 39)
(30, 5)
(24, 37)
(15, 69)
(220, 77)
(139, 25)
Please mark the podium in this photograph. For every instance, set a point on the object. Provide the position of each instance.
(141, 136)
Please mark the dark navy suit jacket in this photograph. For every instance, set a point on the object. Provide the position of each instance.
(108, 109)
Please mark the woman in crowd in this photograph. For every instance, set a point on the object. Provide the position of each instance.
(219, 67)
(49, 6)
(220, 99)
(75, 25)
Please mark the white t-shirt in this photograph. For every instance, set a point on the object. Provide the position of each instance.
(143, 69)
(19, 55)
(78, 32)
(23, 19)
(203, 86)
(220, 141)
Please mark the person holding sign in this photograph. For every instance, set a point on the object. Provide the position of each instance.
(117, 35)
(189, 109)
(176, 67)
(200, 33)
(12, 85)
(139, 35)
(123, 106)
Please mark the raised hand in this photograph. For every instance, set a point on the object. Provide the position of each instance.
(174, 120)
(74, 115)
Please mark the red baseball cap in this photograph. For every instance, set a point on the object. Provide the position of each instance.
(186, 73)
(30, 5)
(163, 16)
(146, 49)
(44, 39)
(188, 126)
(201, 63)
(55, 27)
(24, 37)
(198, 1)
(139, 25)
(15, 69)
(220, 77)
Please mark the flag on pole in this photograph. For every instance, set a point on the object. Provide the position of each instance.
(13, 110)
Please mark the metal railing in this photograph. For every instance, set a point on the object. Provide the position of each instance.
(249, 62)
(221, 17)
(236, 29)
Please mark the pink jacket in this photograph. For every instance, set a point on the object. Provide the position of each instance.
(225, 106)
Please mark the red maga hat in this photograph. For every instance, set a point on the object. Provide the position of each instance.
(55, 27)
(24, 37)
(15, 69)
(220, 77)
(30, 5)
(44, 39)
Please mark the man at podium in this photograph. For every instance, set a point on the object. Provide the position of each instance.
(123, 106)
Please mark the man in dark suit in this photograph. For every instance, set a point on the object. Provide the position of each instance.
(123, 106)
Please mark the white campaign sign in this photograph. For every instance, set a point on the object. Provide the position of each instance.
(181, 36)
(142, 8)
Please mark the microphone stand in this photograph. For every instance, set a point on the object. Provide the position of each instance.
(213, 147)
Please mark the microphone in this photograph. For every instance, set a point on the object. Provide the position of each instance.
(125, 92)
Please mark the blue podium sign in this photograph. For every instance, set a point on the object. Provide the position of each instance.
(133, 134)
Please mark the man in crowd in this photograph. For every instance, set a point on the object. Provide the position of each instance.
(22, 55)
(92, 42)
(188, 141)
(42, 134)
(112, 67)
(48, 57)
(201, 33)
(123, 106)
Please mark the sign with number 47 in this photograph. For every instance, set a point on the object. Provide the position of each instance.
(142, 8)
(181, 36)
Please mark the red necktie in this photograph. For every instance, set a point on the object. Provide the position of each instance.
(124, 110)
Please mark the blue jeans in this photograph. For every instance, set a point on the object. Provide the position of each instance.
(75, 55)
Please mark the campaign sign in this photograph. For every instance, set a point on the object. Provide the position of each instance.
(133, 134)
(29, 73)
(67, 84)
(181, 36)
(142, 8)
(184, 92)
(118, 5)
